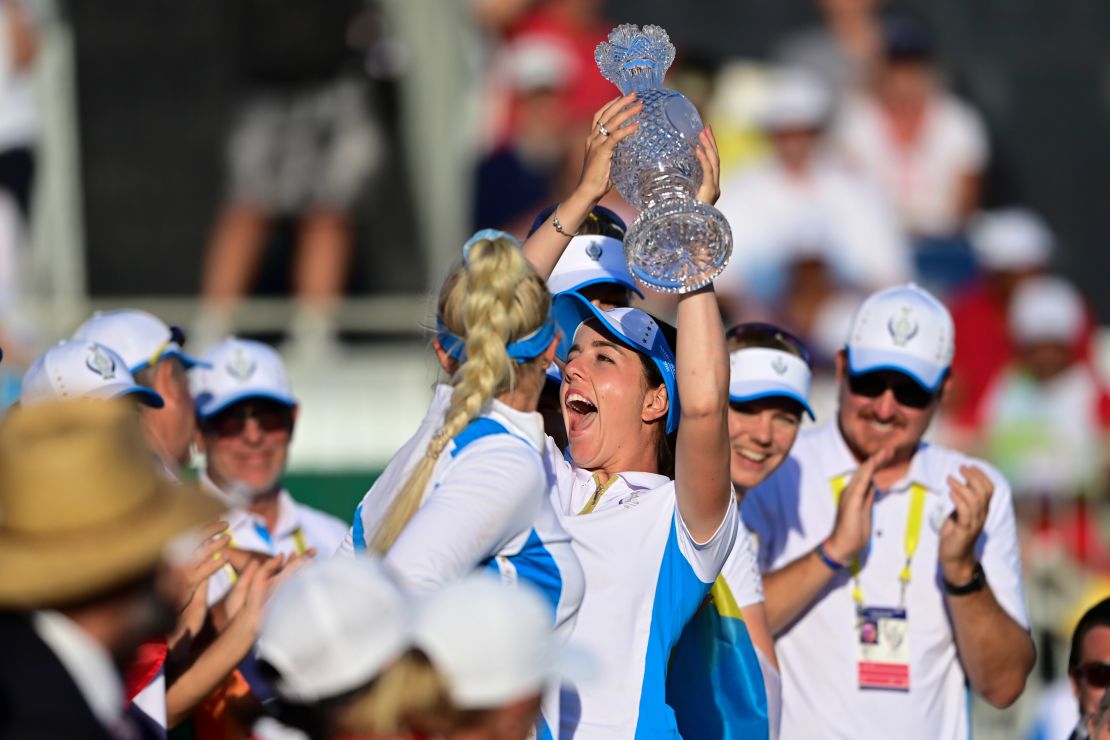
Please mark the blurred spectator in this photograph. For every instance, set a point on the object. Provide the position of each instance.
(81, 592)
(246, 414)
(81, 369)
(1089, 665)
(1010, 245)
(519, 176)
(20, 22)
(334, 644)
(1046, 414)
(844, 50)
(302, 147)
(921, 145)
(804, 226)
(152, 352)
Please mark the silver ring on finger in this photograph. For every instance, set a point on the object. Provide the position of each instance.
(601, 129)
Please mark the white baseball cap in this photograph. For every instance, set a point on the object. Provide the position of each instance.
(795, 100)
(1010, 239)
(140, 338)
(82, 369)
(763, 372)
(1046, 309)
(591, 260)
(332, 627)
(237, 369)
(905, 329)
(492, 643)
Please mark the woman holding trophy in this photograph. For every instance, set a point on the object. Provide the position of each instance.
(644, 491)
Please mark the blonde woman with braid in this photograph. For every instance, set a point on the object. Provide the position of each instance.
(470, 489)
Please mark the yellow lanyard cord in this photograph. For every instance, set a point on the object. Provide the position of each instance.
(913, 535)
(598, 493)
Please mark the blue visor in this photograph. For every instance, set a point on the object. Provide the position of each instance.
(632, 327)
(522, 350)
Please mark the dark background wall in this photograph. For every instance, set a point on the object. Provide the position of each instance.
(156, 87)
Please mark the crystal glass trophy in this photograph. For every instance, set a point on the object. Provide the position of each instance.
(677, 244)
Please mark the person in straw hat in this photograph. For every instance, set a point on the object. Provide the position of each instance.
(84, 522)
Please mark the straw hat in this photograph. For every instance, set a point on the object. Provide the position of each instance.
(82, 508)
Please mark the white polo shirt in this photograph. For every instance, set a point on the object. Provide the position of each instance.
(793, 512)
(299, 528)
(645, 578)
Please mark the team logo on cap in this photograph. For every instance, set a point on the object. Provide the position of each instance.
(593, 251)
(100, 363)
(902, 328)
(779, 365)
(241, 366)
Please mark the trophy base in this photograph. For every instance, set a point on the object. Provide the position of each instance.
(678, 246)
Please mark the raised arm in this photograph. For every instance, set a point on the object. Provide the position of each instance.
(544, 247)
(702, 482)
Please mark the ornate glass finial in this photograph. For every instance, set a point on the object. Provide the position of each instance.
(635, 59)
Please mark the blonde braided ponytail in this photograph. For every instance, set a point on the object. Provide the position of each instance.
(493, 299)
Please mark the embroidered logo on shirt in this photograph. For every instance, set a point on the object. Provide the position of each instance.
(593, 251)
(632, 499)
(100, 363)
(902, 328)
(241, 366)
(936, 518)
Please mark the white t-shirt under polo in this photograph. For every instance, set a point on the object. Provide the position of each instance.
(298, 528)
(645, 578)
(793, 512)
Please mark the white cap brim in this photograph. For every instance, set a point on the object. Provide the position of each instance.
(869, 360)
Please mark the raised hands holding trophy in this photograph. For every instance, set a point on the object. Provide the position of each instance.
(677, 244)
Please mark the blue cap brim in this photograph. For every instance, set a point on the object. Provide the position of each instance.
(570, 310)
(187, 361)
(143, 395)
(231, 400)
(776, 394)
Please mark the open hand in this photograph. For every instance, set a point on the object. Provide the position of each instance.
(594, 182)
(962, 528)
(852, 530)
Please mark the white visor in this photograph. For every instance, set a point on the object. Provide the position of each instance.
(762, 372)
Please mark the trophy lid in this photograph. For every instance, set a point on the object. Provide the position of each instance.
(635, 58)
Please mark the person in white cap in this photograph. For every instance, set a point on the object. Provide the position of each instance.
(332, 634)
(802, 203)
(1011, 245)
(1046, 415)
(80, 368)
(891, 567)
(494, 654)
(152, 352)
(724, 678)
(246, 415)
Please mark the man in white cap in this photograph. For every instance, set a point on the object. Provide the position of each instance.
(801, 204)
(891, 567)
(82, 369)
(246, 413)
(152, 352)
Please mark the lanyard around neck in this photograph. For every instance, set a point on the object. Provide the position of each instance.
(913, 535)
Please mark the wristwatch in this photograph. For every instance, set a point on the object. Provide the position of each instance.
(977, 583)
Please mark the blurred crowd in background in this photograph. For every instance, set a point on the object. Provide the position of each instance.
(849, 163)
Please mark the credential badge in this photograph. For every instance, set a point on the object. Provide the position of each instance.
(593, 251)
(100, 363)
(902, 328)
(241, 366)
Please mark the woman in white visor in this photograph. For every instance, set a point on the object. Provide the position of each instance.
(724, 679)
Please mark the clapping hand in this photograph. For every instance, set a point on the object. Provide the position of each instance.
(852, 530)
(962, 528)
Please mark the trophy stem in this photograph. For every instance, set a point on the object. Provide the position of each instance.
(664, 185)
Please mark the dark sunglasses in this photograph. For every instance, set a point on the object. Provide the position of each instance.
(1096, 675)
(758, 334)
(232, 422)
(906, 390)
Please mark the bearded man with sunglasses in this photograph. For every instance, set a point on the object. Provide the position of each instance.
(246, 413)
(892, 576)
